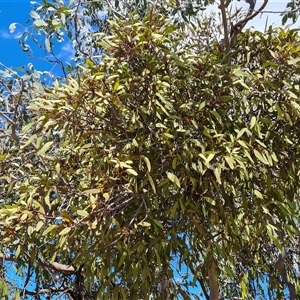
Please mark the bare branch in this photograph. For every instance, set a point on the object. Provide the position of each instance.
(213, 281)
(7, 118)
(238, 27)
(225, 26)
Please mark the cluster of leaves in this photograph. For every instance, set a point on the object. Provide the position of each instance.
(161, 151)
(61, 21)
(17, 88)
(75, 22)
(292, 12)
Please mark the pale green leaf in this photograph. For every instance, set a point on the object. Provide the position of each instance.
(260, 157)
(217, 172)
(65, 231)
(151, 182)
(45, 148)
(147, 161)
(47, 45)
(229, 161)
(145, 224)
(173, 178)
(131, 172)
(293, 61)
(49, 229)
(92, 191)
(82, 213)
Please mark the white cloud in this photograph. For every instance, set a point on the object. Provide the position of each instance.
(5, 34)
(67, 52)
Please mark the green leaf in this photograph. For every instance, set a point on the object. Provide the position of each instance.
(92, 191)
(244, 286)
(258, 194)
(131, 172)
(145, 224)
(159, 125)
(65, 231)
(260, 157)
(151, 182)
(217, 116)
(39, 23)
(293, 61)
(49, 229)
(173, 178)
(29, 141)
(116, 85)
(159, 224)
(39, 225)
(168, 135)
(252, 122)
(217, 173)
(295, 105)
(122, 259)
(147, 161)
(229, 161)
(82, 213)
(18, 251)
(45, 148)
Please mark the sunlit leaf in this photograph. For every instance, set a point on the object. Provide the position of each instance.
(173, 178)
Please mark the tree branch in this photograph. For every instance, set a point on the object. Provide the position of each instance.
(225, 26)
(238, 27)
(213, 281)
(279, 265)
(57, 267)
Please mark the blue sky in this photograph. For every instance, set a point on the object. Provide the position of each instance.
(11, 53)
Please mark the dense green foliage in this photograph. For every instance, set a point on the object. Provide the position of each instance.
(162, 157)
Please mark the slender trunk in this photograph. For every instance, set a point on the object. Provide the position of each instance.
(213, 281)
(280, 266)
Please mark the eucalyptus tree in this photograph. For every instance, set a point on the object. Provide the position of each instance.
(167, 169)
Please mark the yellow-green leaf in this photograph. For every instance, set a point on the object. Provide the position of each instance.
(44, 148)
(39, 225)
(145, 224)
(122, 259)
(217, 172)
(230, 162)
(132, 172)
(82, 213)
(29, 141)
(92, 191)
(65, 231)
(151, 182)
(50, 228)
(159, 224)
(148, 164)
(173, 178)
(18, 251)
(260, 157)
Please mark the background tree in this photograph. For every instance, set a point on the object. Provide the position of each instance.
(175, 151)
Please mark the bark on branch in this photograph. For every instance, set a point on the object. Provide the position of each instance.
(57, 267)
(238, 27)
(280, 266)
(213, 281)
